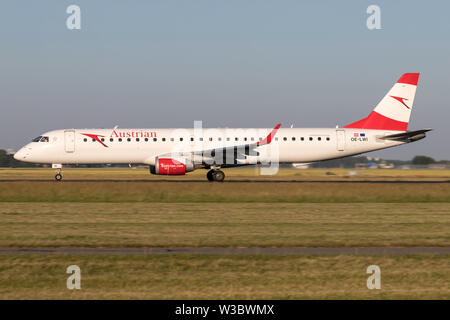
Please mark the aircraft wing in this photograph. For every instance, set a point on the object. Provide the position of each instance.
(226, 156)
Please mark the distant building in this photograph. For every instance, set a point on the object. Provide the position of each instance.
(438, 166)
(385, 165)
(374, 165)
(301, 165)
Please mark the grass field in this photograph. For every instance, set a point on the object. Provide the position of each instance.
(243, 192)
(224, 225)
(224, 277)
(91, 209)
(242, 174)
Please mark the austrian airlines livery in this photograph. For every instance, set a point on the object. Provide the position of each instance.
(177, 151)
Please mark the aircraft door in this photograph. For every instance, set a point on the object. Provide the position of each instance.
(340, 140)
(69, 140)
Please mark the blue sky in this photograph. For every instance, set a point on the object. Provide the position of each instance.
(229, 63)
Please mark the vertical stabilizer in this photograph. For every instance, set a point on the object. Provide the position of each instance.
(394, 110)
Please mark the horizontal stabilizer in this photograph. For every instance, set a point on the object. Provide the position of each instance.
(409, 136)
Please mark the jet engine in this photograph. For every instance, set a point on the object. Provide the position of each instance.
(171, 166)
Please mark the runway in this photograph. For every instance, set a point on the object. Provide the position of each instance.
(232, 251)
(236, 181)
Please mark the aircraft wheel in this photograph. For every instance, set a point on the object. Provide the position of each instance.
(58, 177)
(218, 176)
(209, 175)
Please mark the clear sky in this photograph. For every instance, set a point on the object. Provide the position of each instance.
(229, 63)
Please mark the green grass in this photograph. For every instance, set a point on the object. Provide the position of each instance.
(224, 277)
(170, 192)
(151, 213)
(223, 224)
(243, 173)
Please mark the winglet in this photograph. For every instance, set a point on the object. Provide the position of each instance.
(269, 138)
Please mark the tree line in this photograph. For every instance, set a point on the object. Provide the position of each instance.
(7, 160)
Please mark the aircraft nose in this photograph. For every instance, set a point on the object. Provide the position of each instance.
(20, 155)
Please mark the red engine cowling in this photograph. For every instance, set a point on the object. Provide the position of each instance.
(172, 167)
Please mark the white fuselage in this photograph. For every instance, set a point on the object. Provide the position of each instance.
(177, 151)
(142, 146)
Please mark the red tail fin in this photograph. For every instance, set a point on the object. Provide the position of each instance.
(394, 110)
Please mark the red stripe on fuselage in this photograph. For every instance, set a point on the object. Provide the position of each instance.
(377, 121)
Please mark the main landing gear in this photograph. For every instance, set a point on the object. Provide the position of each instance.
(215, 175)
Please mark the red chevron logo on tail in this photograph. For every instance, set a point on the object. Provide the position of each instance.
(401, 100)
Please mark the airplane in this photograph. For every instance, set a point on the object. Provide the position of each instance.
(179, 151)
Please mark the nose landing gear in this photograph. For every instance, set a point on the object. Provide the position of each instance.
(215, 175)
(58, 177)
(58, 167)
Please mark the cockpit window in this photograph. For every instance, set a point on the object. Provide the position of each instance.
(37, 139)
(44, 139)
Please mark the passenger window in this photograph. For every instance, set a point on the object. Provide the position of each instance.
(210, 139)
(103, 139)
(276, 139)
(302, 138)
(310, 138)
(228, 139)
(146, 139)
(111, 139)
(236, 139)
(328, 138)
(293, 138)
(171, 139)
(155, 139)
(129, 139)
(201, 139)
(85, 139)
(44, 139)
(245, 139)
(220, 139)
(192, 139)
(319, 138)
(120, 139)
(254, 138)
(181, 139)
(284, 138)
(163, 139)
(93, 140)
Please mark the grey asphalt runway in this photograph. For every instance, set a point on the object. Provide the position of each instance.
(219, 251)
(243, 181)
